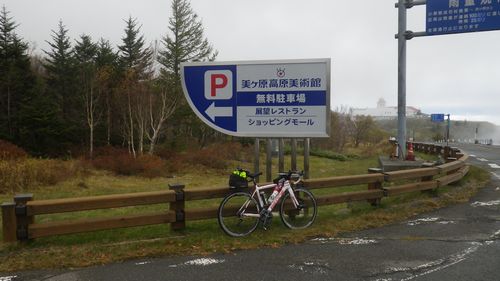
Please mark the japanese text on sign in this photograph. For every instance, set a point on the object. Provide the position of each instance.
(457, 16)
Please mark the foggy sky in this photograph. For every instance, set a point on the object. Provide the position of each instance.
(456, 74)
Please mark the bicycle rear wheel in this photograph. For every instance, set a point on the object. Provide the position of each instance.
(238, 214)
(301, 216)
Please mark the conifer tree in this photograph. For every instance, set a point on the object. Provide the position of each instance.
(136, 63)
(16, 78)
(62, 81)
(85, 52)
(184, 42)
(107, 62)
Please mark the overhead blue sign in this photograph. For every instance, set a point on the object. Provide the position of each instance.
(288, 98)
(437, 118)
(458, 16)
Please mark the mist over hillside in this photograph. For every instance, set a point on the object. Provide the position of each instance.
(422, 129)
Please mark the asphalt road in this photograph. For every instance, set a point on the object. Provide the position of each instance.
(460, 242)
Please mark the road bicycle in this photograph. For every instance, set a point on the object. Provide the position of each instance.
(240, 212)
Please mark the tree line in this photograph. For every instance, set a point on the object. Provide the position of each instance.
(85, 93)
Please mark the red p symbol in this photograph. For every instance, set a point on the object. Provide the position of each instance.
(218, 84)
(217, 81)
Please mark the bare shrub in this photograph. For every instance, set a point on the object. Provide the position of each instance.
(23, 174)
(121, 162)
(9, 151)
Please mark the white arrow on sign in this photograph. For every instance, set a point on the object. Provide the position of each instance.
(213, 111)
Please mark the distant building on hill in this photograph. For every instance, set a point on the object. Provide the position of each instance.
(384, 112)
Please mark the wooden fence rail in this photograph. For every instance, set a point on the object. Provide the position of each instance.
(19, 223)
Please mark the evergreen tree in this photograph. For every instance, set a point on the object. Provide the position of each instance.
(85, 55)
(62, 80)
(184, 42)
(107, 62)
(136, 63)
(16, 78)
(134, 56)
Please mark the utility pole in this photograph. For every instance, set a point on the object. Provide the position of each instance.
(402, 36)
(402, 78)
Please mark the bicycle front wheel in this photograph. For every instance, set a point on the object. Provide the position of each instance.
(301, 216)
(238, 214)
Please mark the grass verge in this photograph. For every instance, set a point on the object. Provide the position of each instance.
(204, 237)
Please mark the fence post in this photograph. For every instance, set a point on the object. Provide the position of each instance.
(178, 207)
(375, 185)
(9, 222)
(433, 192)
(446, 152)
(23, 220)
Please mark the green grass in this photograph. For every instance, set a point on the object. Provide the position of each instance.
(205, 237)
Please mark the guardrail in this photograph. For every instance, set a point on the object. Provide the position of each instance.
(19, 222)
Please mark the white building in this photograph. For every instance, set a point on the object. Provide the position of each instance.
(382, 111)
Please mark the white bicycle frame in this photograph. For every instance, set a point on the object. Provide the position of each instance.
(286, 188)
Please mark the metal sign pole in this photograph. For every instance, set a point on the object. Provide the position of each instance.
(269, 160)
(256, 157)
(402, 78)
(448, 131)
(281, 155)
(307, 147)
(294, 155)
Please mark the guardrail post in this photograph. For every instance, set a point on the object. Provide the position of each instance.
(9, 222)
(439, 149)
(375, 185)
(446, 152)
(178, 207)
(433, 192)
(23, 220)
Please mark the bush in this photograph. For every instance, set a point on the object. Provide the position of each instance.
(9, 151)
(21, 174)
(329, 155)
(217, 156)
(121, 162)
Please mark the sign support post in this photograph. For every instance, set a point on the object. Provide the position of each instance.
(402, 78)
(256, 161)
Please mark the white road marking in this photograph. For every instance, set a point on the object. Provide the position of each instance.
(311, 267)
(357, 242)
(420, 221)
(8, 278)
(472, 155)
(204, 262)
(346, 241)
(433, 266)
(485, 204)
(482, 159)
(494, 166)
(142, 263)
(496, 175)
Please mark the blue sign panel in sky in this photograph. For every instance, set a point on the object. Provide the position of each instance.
(437, 117)
(261, 99)
(458, 16)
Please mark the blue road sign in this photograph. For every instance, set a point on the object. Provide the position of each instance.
(459, 16)
(288, 98)
(437, 117)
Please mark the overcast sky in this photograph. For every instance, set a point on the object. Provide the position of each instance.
(456, 74)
